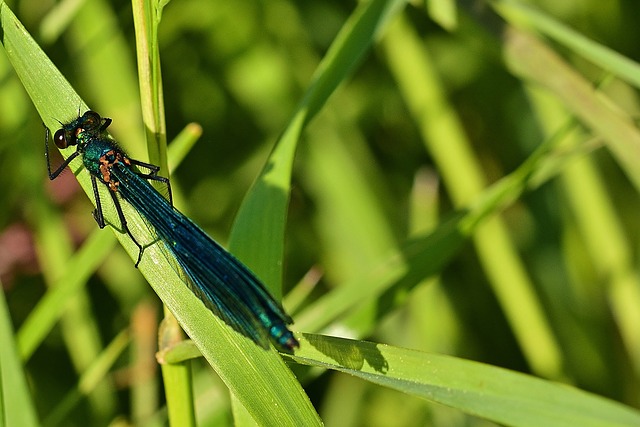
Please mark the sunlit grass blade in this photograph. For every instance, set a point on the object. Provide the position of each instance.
(146, 15)
(493, 393)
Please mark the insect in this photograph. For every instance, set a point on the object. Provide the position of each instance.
(225, 285)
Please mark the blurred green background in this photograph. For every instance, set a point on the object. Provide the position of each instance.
(365, 181)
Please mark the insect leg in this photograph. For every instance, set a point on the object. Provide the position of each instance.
(153, 175)
(97, 213)
(125, 227)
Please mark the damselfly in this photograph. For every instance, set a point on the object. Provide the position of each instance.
(225, 285)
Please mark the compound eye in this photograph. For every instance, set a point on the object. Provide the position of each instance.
(60, 139)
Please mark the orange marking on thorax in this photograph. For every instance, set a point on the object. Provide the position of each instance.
(106, 165)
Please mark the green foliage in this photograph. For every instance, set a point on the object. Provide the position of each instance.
(422, 177)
